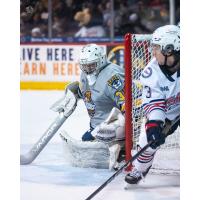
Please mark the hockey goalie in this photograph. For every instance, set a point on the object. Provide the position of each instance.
(101, 88)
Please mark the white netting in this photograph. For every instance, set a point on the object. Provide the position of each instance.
(167, 158)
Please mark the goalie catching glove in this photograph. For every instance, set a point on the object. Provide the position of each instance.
(112, 128)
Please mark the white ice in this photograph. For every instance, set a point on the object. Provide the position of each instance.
(50, 178)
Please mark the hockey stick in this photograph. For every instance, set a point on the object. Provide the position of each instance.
(165, 132)
(69, 106)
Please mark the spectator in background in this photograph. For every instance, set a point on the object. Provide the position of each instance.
(153, 14)
(128, 20)
(105, 9)
(57, 27)
(136, 16)
(36, 32)
(90, 22)
(136, 24)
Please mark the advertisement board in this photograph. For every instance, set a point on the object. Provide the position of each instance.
(52, 66)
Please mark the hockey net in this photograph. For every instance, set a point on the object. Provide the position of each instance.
(137, 56)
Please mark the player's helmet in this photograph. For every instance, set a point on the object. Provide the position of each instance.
(92, 58)
(168, 38)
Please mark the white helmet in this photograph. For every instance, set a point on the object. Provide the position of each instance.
(92, 59)
(168, 38)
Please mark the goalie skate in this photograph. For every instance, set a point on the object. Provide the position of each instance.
(85, 154)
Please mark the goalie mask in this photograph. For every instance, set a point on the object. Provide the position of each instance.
(168, 38)
(92, 59)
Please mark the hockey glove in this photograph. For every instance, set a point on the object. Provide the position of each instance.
(75, 89)
(154, 133)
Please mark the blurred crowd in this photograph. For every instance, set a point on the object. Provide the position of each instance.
(92, 18)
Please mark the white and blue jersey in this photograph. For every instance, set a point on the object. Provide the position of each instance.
(161, 93)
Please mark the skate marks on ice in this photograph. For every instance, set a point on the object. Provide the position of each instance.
(51, 173)
(49, 176)
(156, 181)
(156, 187)
(51, 168)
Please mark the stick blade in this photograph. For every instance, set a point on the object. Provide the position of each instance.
(25, 159)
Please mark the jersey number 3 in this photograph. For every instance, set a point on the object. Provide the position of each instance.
(148, 91)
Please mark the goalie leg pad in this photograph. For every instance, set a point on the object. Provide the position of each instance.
(117, 155)
(84, 154)
(114, 154)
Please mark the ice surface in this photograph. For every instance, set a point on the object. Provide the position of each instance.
(50, 178)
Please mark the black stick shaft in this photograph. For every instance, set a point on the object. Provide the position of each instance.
(165, 131)
(119, 171)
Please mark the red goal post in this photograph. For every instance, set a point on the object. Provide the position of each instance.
(142, 57)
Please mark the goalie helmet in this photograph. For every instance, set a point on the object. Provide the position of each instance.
(92, 59)
(168, 38)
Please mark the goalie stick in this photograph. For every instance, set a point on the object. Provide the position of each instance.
(65, 107)
(165, 132)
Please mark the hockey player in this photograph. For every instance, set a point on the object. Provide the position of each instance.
(102, 89)
(161, 96)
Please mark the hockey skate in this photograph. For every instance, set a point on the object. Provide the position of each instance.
(136, 176)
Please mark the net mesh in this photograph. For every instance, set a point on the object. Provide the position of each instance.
(167, 157)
